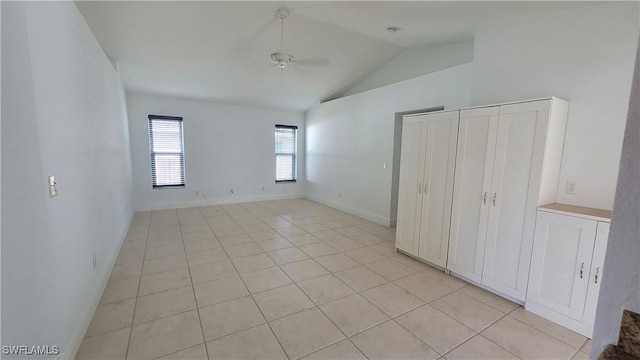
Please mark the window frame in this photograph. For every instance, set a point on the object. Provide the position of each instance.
(153, 153)
(294, 167)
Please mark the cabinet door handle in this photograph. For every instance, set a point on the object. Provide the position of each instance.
(484, 198)
(494, 198)
(581, 270)
(419, 188)
(596, 277)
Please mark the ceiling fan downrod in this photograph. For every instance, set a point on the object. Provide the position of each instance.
(281, 58)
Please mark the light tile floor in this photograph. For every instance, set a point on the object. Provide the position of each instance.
(293, 279)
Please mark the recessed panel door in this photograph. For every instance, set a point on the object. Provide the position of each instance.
(561, 263)
(414, 134)
(472, 186)
(437, 187)
(514, 196)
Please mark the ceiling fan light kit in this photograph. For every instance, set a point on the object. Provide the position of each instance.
(282, 59)
(282, 13)
(393, 29)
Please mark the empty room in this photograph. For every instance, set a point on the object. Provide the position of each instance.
(320, 180)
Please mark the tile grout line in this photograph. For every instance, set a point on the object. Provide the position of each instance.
(292, 282)
(395, 317)
(355, 293)
(323, 313)
(315, 305)
(424, 342)
(195, 300)
(365, 265)
(480, 333)
(542, 331)
(135, 305)
(256, 305)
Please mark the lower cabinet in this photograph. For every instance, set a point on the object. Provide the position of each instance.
(567, 264)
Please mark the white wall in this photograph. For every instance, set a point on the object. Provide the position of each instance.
(349, 140)
(584, 56)
(416, 61)
(63, 114)
(226, 147)
(620, 287)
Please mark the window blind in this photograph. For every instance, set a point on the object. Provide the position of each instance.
(166, 144)
(286, 150)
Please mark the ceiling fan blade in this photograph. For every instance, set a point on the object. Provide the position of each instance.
(313, 62)
(299, 71)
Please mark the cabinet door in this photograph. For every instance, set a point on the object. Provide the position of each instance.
(560, 263)
(414, 134)
(437, 187)
(514, 196)
(472, 185)
(597, 264)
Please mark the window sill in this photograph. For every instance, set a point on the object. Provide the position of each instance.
(169, 187)
(285, 181)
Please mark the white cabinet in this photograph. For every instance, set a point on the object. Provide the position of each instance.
(426, 185)
(562, 252)
(471, 198)
(470, 183)
(567, 264)
(508, 163)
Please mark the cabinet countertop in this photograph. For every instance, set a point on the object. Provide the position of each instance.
(580, 211)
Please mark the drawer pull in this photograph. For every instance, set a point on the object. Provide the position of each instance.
(596, 277)
(581, 270)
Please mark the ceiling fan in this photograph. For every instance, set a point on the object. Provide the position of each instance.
(283, 59)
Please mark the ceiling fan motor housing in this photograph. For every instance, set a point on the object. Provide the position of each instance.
(282, 59)
(282, 13)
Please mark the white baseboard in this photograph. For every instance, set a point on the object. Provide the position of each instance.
(94, 299)
(211, 202)
(363, 214)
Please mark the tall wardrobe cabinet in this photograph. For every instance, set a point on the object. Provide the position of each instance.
(424, 197)
(507, 163)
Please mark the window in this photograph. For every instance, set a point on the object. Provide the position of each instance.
(286, 145)
(167, 151)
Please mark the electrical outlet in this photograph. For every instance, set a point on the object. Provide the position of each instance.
(197, 192)
(571, 187)
(95, 261)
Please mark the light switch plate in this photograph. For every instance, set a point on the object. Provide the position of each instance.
(53, 186)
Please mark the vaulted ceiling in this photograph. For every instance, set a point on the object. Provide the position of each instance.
(219, 51)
